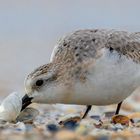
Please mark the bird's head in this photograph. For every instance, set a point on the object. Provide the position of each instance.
(44, 85)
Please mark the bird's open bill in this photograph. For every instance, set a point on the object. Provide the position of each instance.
(26, 100)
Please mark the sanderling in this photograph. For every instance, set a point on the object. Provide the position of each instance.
(88, 67)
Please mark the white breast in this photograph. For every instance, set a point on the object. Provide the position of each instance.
(111, 80)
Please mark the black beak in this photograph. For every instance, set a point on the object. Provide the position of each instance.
(26, 100)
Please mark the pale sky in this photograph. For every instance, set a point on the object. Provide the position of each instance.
(30, 28)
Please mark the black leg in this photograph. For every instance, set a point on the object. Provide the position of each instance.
(87, 110)
(118, 108)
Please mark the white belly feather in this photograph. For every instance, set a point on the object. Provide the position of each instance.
(111, 80)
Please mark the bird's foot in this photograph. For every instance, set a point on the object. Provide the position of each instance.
(87, 111)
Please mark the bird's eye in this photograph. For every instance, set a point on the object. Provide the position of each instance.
(39, 83)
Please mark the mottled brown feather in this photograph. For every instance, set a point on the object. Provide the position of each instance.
(79, 49)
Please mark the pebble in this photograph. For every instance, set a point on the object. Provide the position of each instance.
(20, 126)
(52, 127)
(109, 114)
(68, 118)
(95, 117)
(70, 125)
(27, 115)
(124, 120)
(118, 126)
(70, 121)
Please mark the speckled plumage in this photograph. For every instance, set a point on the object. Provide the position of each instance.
(83, 47)
(97, 59)
(86, 44)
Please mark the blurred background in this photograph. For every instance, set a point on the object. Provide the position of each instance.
(29, 30)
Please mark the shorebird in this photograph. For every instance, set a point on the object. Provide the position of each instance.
(88, 67)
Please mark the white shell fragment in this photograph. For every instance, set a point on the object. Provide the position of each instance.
(10, 107)
(27, 115)
(10, 110)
